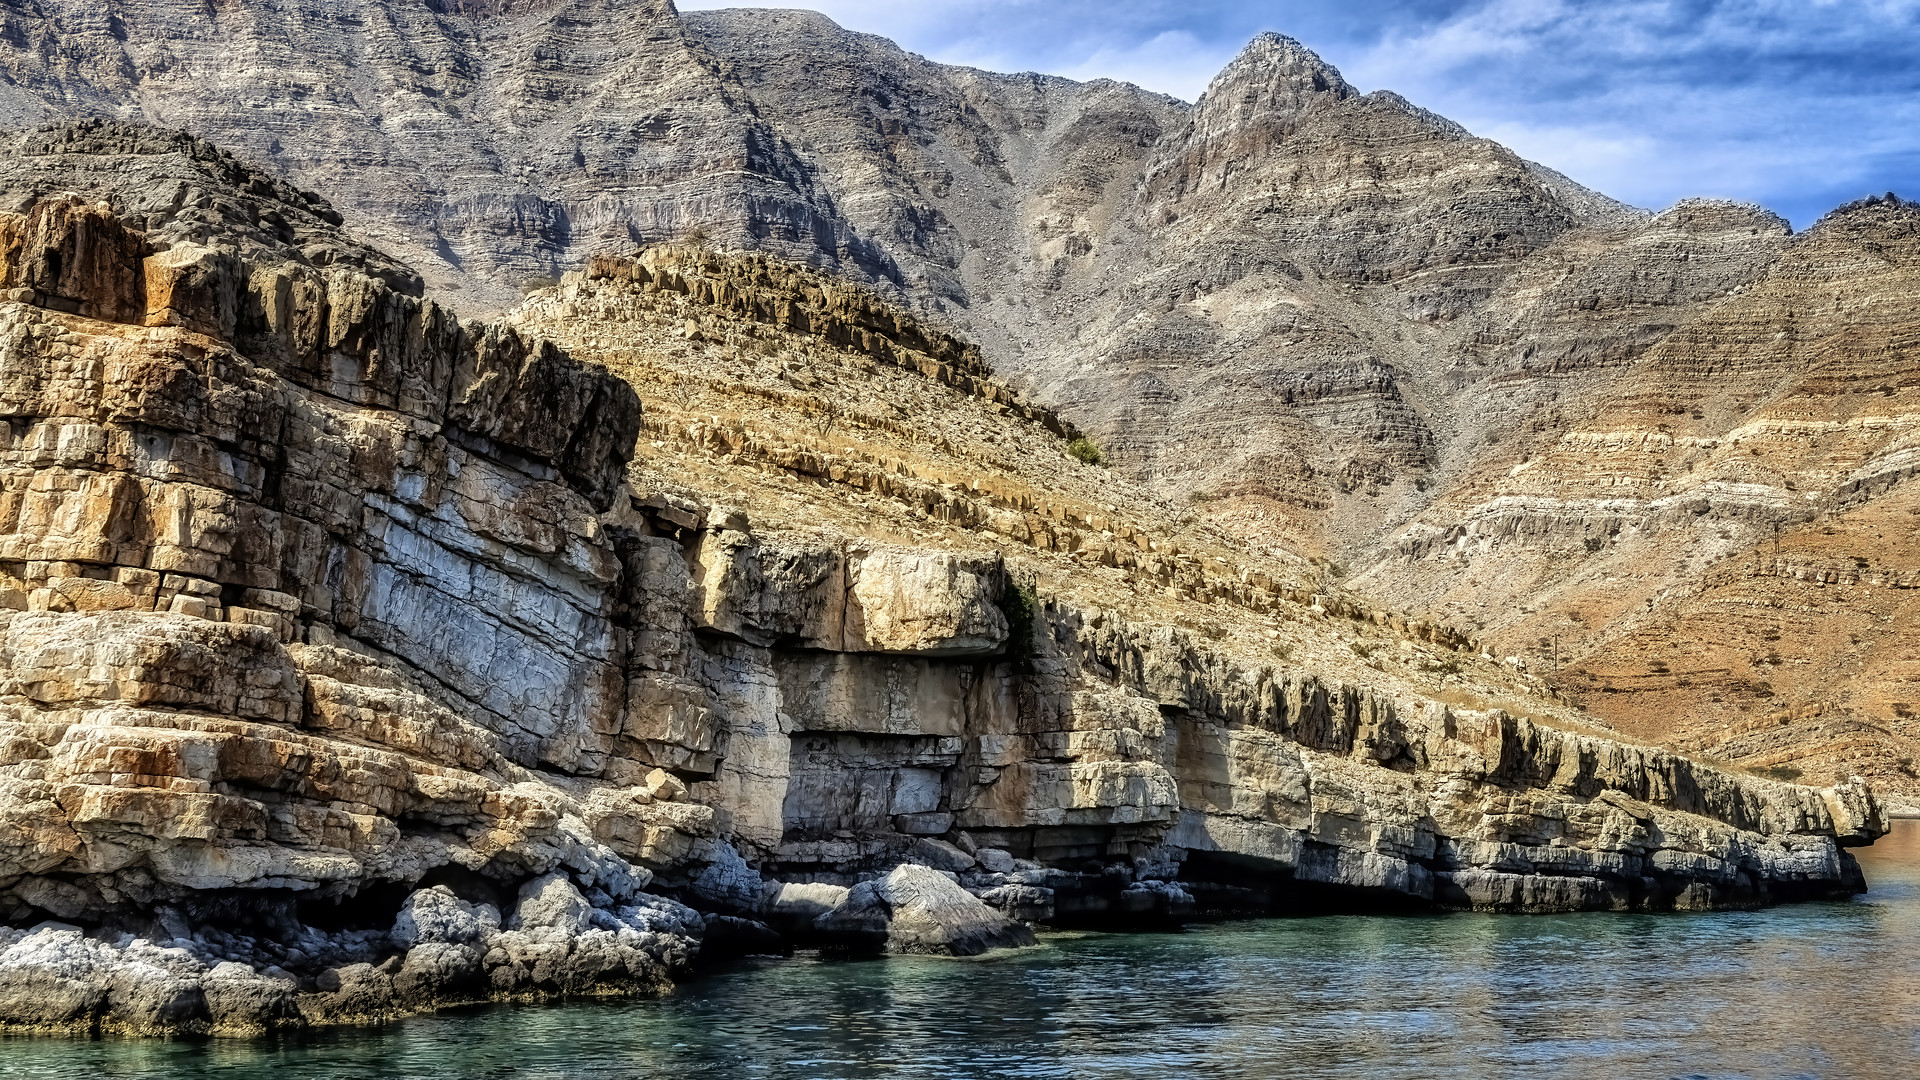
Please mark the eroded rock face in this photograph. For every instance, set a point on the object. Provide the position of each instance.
(346, 674)
(263, 498)
(1341, 324)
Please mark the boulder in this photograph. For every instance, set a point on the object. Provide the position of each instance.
(931, 914)
(994, 860)
(50, 979)
(436, 915)
(437, 970)
(552, 902)
(242, 1001)
(728, 883)
(939, 855)
(1023, 903)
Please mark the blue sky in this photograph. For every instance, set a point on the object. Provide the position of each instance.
(1796, 104)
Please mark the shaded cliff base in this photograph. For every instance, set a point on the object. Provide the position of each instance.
(251, 962)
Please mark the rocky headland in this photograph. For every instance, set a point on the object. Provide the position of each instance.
(357, 658)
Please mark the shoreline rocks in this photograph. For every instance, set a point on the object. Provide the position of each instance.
(442, 951)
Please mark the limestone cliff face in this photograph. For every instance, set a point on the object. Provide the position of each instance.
(355, 663)
(305, 591)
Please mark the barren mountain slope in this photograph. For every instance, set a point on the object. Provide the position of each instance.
(1717, 543)
(487, 143)
(1241, 295)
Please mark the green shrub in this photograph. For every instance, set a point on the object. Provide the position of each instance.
(1022, 605)
(1085, 450)
(1594, 544)
(1785, 773)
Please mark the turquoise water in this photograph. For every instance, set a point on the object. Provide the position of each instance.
(1818, 990)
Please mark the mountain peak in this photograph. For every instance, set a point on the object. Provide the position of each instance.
(1280, 70)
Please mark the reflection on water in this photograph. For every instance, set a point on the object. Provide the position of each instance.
(1818, 990)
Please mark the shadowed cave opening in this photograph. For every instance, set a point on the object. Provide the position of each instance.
(376, 905)
(843, 785)
(1228, 886)
(373, 907)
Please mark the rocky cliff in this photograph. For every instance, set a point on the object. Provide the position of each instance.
(1332, 321)
(360, 659)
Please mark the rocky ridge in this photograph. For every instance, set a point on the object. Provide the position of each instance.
(356, 663)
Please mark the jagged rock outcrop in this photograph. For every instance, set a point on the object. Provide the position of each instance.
(260, 500)
(355, 664)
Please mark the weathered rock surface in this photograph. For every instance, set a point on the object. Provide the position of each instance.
(306, 597)
(1334, 321)
(918, 909)
(1716, 548)
(1116, 770)
(351, 663)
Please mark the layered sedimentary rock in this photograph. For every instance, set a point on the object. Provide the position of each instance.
(1333, 321)
(355, 661)
(1177, 724)
(263, 497)
(1720, 545)
(1239, 295)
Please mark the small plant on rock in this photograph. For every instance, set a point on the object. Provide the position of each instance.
(1021, 602)
(1084, 449)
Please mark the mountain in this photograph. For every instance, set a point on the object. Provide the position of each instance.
(1332, 323)
(1740, 492)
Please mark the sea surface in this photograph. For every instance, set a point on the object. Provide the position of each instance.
(1815, 990)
